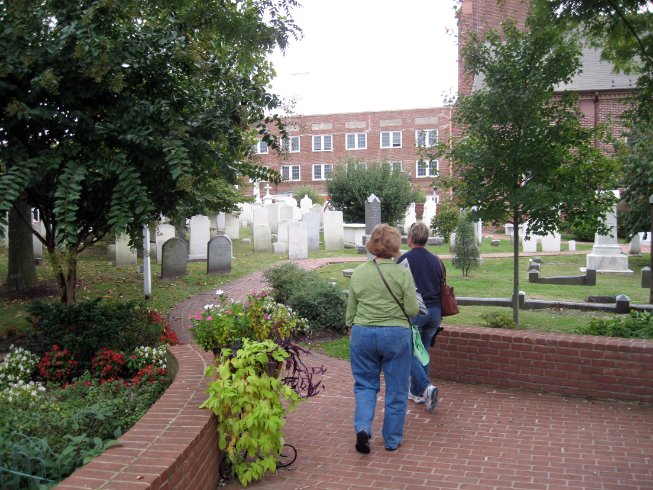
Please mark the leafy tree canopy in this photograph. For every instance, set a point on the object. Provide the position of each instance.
(112, 113)
(524, 154)
(353, 182)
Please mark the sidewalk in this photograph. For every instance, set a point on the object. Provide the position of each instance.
(479, 437)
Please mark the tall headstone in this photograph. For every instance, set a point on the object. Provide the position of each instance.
(163, 233)
(245, 215)
(174, 261)
(429, 211)
(36, 243)
(297, 240)
(282, 235)
(305, 204)
(606, 256)
(199, 237)
(372, 213)
(410, 217)
(530, 244)
(316, 208)
(334, 237)
(635, 246)
(286, 212)
(260, 216)
(312, 221)
(125, 255)
(221, 223)
(551, 242)
(219, 252)
(273, 216)
(232, 226)
(262, 238)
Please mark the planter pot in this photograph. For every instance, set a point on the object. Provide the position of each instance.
(419, 210)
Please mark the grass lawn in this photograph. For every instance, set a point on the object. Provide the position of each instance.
(98, 276)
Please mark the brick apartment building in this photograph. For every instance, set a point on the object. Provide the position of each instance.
(318, 143)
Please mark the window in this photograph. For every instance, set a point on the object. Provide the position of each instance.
(290, 172)
(426, 137)
(397, 166)
(356, 141)
(260, 148)
(323, 142)
(390, 139)
(322, 172)
(290, 145)
(427, 168)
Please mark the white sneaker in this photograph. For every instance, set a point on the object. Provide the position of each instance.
(417, 399)
(431, 397)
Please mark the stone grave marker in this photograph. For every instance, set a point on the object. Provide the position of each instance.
(297, 240)
(232, 226)
(305, 204)
(125, 255)
(162, 234)
(200, 233)
(262, 238)
(174, 261)
(312, 221)
(219, 252)
(334, 238)
(372, 213)
(551, 242)
(273, 216)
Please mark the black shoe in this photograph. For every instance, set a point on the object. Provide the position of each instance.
(391, 448)
(362, 442)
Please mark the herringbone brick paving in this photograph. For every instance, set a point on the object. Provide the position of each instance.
(479, 437)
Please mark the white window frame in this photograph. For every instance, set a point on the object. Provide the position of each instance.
(260, 148)
(428, 168)
(358, 144)
(396, 165)
(393, 141)
(290, 144)
(321, 140)
(324, 169)
(288, 173)
(430, 137)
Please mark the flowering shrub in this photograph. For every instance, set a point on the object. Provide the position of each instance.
(151, 374)
(168, 336)
(144, 356)
(21, 391)
(17, 366)
(57, 365)
(107, 365)
(225, 324)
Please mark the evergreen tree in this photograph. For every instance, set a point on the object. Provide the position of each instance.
(467, 256)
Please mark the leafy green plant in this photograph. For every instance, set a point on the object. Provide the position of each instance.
(445, 221)
(18, 365)
(283, 279)
(467, 256)
(306, 190)
(250, 401)
(498, 319)
(637, 325)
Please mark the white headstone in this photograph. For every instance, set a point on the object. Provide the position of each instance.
(333, 231)
(200, 234)
(245, 213)
(297, 240)
(262, 238)
(279, 248)
(312, 221)
(429, 211)
(606, 256)
(232, 226)
(273, 216)
(286, 212)
(221, 222)
(260, 216)
(282, 235)
(163, 233)
(305, 204)
(635, 246)
(410, 217)
(529, 245)
(572, 245)
(551, 242)
(316, 208)
(36, 243)
(125, 255)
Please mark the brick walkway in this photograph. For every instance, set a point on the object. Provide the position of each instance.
(479, 437)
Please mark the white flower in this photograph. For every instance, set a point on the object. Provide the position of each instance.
(219, 292)
(208, 307)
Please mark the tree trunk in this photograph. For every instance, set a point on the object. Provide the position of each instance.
(66, 271)
(515, 269)
(21, 270)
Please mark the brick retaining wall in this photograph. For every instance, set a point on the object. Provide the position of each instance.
(577, 365)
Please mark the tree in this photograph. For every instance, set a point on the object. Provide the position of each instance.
(114, 113)
(467, 256)
(523, 154)
(446, 219)
(353, 182)
(21, 270)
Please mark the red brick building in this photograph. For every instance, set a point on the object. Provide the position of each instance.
(318, 143)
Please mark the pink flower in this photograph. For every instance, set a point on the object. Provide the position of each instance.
(209, 318)
(198, 317)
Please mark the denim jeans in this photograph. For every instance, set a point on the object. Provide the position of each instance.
(428, 324)
(376, 349)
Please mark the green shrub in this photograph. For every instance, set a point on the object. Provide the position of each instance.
(467, 256)
(444, 223)
(85, 327)
(637, 325)
(498, 319)
(306, 190)
(283, 279)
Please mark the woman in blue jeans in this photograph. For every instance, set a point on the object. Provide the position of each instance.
(381, 339)
(426, 269)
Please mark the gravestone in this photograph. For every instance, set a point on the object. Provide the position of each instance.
(572, 245)
(317, 208)
(200, 233)
(262, 238)
(312, 221)
(372, 213)
(529, 245)
(162, 234)
(409, 217)
(333, 231)
(37, 245)
(279, 248)
(635, 246)
(646, 277)
(273, 216)
(174, 261)
(551, 242)
(606, 256)
(219, 252)
(429, 211)
(260, 216)
(305, 204)
(125, 255)
(245, 215)
(286, 212)
(297, 240)
(232, 226)
(495, 243)
(282, 235)
(221, 223)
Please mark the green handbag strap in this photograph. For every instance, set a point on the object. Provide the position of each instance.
(391, 293)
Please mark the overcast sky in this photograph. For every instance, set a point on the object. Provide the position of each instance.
(369, 55)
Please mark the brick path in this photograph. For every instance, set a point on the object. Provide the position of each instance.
(479, 437)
